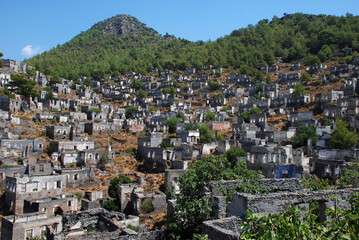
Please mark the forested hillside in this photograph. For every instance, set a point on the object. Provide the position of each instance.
(122, 43)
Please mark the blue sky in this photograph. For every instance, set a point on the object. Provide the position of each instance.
(30, 27)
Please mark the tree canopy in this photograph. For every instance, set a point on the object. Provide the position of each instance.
(205, 134)
(342, 137)
(235, 152)
(129, 111)
(299, 90)
(302, 135)
(171, 123)
(246, 114)
(23, 86)
(209, 116)
(1, 63)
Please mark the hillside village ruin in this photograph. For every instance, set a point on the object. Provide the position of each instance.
(59, 155)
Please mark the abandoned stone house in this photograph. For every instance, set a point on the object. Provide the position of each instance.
(218, 125)
(78, 177)
(197, 85)
(188, 152)
(66, 158)
(297, 102)
(100, 116)
(11, 105)
(216, 102)
(27, 146)
(59, 132)
(276, 136)
(93, 199)
(30, 225)
(332, 112)
(190, 136)
(147, 79)
(190, 71)
(202, 78)
(271, 90)
(39, 169)
(242, 80)
(138, 196)
(59, 146)
(153, 139)
(316, 68)
(41, 80)
(164, 78)
(21, 189)
(15, 66)
(163, 85)
(350, 86)
(266, 69)
(328, 163)
(295, 66)
(16, 171)
(329, 97)
(48, 104)
(271, 159)
(94, 157)
(90, 224)
(166, 72)
(78, 116)
(101, 128)
(207, 67)
(297, 119)
(123, 81)
(285, 77)
(348, 106)
(242, 131)
(124, 195)
(342, 71)
(61, 88)
(5, 77)
(260, 120)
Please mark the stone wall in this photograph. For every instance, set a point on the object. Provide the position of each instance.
(16, 171)
(229, 227)
(269, 184)
(224, 229)
(153, 235)
(213, 189)
(279, 202)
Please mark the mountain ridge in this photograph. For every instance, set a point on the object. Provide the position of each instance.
(122, 43)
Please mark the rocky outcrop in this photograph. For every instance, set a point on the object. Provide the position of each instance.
(124, 25)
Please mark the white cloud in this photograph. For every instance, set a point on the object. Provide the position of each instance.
(29, 51)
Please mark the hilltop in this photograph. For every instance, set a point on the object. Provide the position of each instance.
(123, 25)
(122, 44)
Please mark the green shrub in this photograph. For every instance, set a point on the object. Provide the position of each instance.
(134, 228)
(121, 179)
(146, 206)
(112, 206)
(79, 196)
(166, 145)
(95, 110)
